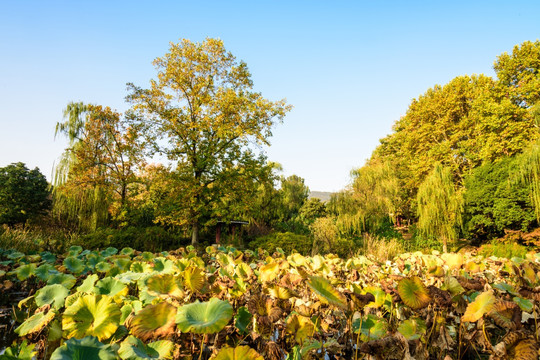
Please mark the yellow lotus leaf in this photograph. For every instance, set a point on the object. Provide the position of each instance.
(269, 272)
(237, 353)
(483, 304)
(300, 326)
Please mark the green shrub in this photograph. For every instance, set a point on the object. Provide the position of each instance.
(152, 238)
(287, 241)
(504, 250)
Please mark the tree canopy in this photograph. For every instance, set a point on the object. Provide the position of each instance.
(202, 113)
(24, 194)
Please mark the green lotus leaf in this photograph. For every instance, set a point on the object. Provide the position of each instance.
(52, 294)
(88, 348)
(147, 256)
(74, 265)
(35, 323)
(111, 287)
(452, 285)
(154, 321)
(55, 331)
(483, 304)
(122, 264)
(505, 288)
(24, 272)
(413, 328)
(204, 318)
(66, 280)
(134, 349)
(19, 352)
(44, 271)
(326, 292)
(48, 257)
(164, 285)
(371, 327)
(103, 267)
(413, 293)
(243, 270)
(127, 251)
(242, 320)
(87, 285)
(194, 278)
(93, 259)
(237, 353)
(163, 265)
(110, 251)
(524, 304)
(91, 315)
(75, 250)
(14, 255)
(129, 308)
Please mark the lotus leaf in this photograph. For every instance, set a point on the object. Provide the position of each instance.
(269, 272)
(88, 348)
(44, 271)
(163, 265)
(48, 257)
(75, 250)
(154, 321)
(91, 315)
(111, 287)
(165, 285)
(87, 285)
(300, 326)
(326, 292)
(103, 266)
(122, 264)
(483, 304)
(524, 304)
(24, 272)
(413, 328)
(134, 349)
(127, 251)
(35, 323)
(243, 270)
(194, 279)
(19, 352)
(204, 318)
(242, 320)
(52, 294)
(140, 267)
(371, 327)
(74, 265)
(110, 251)
(237, 353)
(280, 292)
(66, 280)
(413, 292)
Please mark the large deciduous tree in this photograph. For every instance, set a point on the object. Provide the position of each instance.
(202, 113)
(24, 194)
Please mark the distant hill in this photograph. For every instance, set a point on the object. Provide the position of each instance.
(323, 195)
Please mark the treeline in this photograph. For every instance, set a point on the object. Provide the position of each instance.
(183, 161)
(461, 163)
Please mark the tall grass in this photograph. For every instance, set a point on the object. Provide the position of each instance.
(28, 240)
(379, 248)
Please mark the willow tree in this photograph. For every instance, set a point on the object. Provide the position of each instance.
(439, 206)
(95, 171)
(202, 113)
(530, 174)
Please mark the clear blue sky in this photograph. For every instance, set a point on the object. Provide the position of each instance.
(350, 68)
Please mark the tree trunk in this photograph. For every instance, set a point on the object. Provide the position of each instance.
(195, 234)
(444, 245)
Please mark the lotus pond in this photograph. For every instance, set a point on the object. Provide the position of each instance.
(224, 303)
